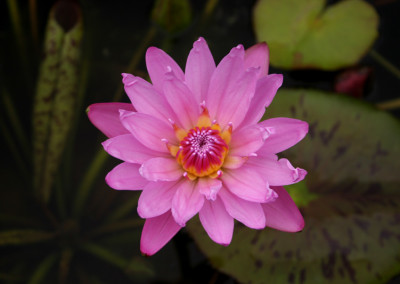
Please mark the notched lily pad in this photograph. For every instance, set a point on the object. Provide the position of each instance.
(352, 232)
(306, 34)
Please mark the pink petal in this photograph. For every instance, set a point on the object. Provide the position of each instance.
(246, 141)
(105, 116)
(283, 214)
(276, 172)
(157, 232)
(156, 198)
(284, 133)
(249, 213)
(265, 92)
(209, 187)
(234, 105)
(158, 64)
(257, 56)
(217, 222)
(247, 184)
(126, 176)
(224, 80)
(200, 66)
(181, 101)
(129, 149)
(145, 98)
(148, 130)
(161, 169)
(187, 202)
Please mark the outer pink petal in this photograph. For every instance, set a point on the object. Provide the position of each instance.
(161, 169)
(276, 172)
(247, 184)
(181, 101)
(283, 214)
(257, 56)
(129, 149)
(265, 92)
(249, 213)
(156, 199)
(158, 64)
(224, 80)
(126, 176)
(187, 202)
(145, 98)
(157, 232)
(105, 116)
(200, 66)
(217, 222)
(209, 187)
(246, 141)
(148, 130)
(284, 133)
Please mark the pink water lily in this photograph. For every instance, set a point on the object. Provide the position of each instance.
(192, 141)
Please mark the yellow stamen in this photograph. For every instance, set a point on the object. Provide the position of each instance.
(204, 119)
(179, 132)
(226, 134)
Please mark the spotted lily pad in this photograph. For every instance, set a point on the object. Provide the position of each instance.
(350, 200)
(307, 34)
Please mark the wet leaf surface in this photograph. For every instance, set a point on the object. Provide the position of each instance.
(306, 34)
(352, 232)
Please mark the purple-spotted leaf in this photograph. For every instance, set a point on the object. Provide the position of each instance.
(350, 200)
(56, 93)
(307, 34)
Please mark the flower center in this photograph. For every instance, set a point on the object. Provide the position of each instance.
(202, 151)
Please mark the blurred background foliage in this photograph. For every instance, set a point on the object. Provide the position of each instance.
(60, 223)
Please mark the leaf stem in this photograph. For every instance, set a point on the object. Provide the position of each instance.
(389, 105)
(101, 157)
(118, 226)
(88, 181)
(20, 38)
(122, 210)
(43, 268)
(34, 24)
(385, 63)
(16, 124)
(105, 255)
(136, 59)
(15, 152)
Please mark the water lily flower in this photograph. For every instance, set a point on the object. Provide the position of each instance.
(192, 141)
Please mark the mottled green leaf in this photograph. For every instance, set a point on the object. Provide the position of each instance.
(306, 34)
(23, 236)
(56, 93)
(350, 202)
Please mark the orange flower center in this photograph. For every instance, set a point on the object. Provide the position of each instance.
(202, 149)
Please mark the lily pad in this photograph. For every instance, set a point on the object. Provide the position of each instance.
(350, 205)
(307, 34)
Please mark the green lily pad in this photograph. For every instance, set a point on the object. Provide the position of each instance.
(350, 202)
(306, 34)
